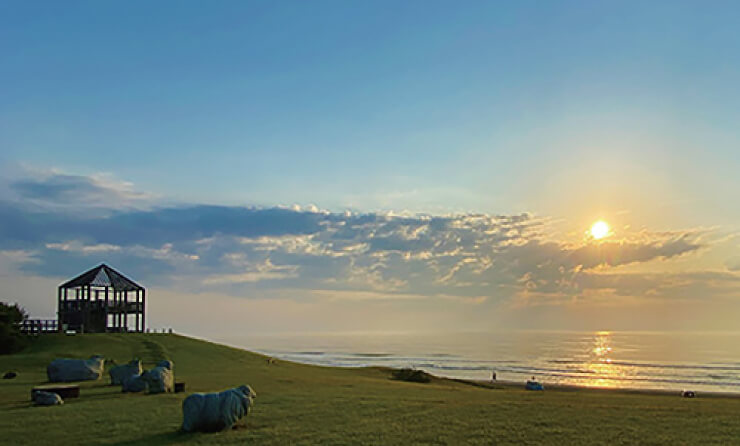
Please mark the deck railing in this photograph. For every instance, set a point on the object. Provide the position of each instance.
(76, 305)
(38, 326)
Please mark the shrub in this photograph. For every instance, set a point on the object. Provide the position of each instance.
(412, 375)
(11, 338)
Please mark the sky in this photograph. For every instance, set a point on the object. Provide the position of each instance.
(376, 166)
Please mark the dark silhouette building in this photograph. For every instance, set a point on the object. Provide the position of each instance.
(101, 300)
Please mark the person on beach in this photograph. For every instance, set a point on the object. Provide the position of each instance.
(493, 376)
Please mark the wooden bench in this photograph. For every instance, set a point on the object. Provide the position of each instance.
(64, 391)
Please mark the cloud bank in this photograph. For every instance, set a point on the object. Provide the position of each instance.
(47, 229)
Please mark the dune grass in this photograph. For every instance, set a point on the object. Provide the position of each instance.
(301, 404)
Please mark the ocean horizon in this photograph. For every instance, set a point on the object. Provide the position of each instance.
(700, 361)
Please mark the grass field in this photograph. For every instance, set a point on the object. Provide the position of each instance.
(301, 404)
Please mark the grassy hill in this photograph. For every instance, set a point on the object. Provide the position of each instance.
(301, 404)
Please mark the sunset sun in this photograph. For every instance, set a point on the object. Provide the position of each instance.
(599, 230)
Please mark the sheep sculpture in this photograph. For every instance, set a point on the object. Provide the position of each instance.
(159, 379)
(213, 412)
(120, 373)
(66, 370)
(41, 398)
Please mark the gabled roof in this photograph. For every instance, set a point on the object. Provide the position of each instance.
(103, 276)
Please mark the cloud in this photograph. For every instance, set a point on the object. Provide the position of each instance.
(76, 246)
(247, 251)
(733, 264)
(691, 285)
(12, 260)
(254, 273)
(57, 190)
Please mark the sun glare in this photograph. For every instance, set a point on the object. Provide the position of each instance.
(600, 229)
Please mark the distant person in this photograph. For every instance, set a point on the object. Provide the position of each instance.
(493, 377)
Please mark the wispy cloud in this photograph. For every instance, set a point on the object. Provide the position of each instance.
(58, 190)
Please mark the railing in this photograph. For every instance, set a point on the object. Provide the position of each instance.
(76, 305)
(38, 326)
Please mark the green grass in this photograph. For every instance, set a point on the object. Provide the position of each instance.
(301, 404)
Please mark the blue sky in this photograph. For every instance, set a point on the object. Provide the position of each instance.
(338, 103)
(127, 113)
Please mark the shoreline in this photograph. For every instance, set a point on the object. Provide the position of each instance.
(511, 384)
(575, 358)
(508, 384)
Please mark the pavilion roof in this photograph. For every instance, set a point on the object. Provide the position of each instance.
(103, 276)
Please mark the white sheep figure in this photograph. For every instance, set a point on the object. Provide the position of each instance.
(121, 373)
(67, 370)
(213, 412)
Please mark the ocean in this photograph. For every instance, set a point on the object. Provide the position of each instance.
(703, 361)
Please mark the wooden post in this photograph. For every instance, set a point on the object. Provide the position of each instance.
(125, 311)
(66, 306)
(143, 310)
(59, 308)
(118, 309)
(88, 303)
(106, 309)
(82, 307)
(137, 311)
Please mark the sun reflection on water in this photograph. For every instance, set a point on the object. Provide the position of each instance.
(600, 363)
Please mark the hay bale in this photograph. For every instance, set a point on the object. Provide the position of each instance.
(66, 370)
(212, 412)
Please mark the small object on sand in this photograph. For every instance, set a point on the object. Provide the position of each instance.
(534, 385)
(10, 375)
(179, 387)
(212, 412)
(688, 394)
(64, 391)
(41, 398)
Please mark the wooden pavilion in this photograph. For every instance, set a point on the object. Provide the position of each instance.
(101, 300)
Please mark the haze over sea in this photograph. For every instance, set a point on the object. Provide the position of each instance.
(707, 361)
